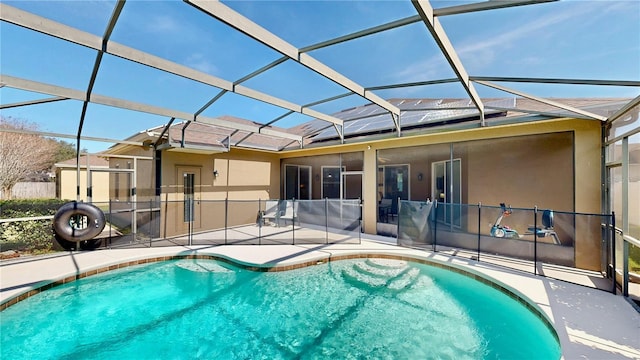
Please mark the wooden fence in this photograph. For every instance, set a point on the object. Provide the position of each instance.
(33, 190)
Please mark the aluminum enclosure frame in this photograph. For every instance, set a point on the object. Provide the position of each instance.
(224, 14)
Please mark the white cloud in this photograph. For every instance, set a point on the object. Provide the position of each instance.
(531, 60)
(480, 50)
(506, 38)
(547, 25)
(201, 63)
(162, 24)
(431, 68)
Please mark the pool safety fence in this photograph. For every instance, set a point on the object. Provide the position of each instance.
(526, 239)
(226, 222)
(536, 236)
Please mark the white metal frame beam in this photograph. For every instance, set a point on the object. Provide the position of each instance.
(537, 112)
(94, 73)
(362, 33)
(70, 136)
(64, 32)
(28, 85)
(425, 11)
(598, 82)
(630, 105)
(415, 83)
(331, 42)
(544, 101)
(33, 102)
(485, 5)
(244, 25)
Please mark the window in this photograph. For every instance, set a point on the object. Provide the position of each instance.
(447, 189)
(396, 182)
(331, 177)
(189, 185)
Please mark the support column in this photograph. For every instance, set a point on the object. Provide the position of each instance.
(370, 191)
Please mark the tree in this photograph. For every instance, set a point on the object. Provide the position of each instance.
(21, 153)
(64, 151)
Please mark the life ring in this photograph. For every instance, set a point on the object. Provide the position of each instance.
(62, 221)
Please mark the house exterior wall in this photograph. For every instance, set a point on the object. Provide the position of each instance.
(586, 153)
(560, 169)
(348, 161)
(565, 164)
(522, 171)
(241, 175)
(66, 180)
(145, 174)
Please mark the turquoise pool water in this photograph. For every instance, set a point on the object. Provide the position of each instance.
(350, 309)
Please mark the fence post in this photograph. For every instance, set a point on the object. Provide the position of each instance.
(360, 221)
(152, 224)
(190, 236)
(293, 220)
(613, 251)
(535, 240)
(110, 222)
(326, 220)
(435, 227)
(625, 267)
(260, 220)
(226, 210)
(398, 224)
(479, 228)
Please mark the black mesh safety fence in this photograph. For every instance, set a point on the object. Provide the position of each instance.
(194, 222)
(528, 239)
(541, 241)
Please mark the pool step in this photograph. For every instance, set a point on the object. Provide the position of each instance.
(381, 273)
(386, 263)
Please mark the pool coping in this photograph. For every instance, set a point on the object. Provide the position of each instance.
(553, 301)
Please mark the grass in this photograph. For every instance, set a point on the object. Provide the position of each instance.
(634, 251)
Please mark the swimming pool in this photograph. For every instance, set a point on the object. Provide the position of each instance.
(197, 308)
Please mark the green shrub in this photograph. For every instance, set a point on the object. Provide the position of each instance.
(33, 207)
(33, 236)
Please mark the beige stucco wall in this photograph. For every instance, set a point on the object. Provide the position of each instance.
(67, 180)
(585, 195)
(241, 175)
(527, 171)
(589, 187)
(586, 162)
(145, 172)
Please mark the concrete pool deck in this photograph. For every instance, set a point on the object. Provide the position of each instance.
(590, 323)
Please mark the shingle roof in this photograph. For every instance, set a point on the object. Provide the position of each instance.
(94, 161)
(428, 113)
(417, 115)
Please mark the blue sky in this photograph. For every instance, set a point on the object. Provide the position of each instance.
(567, 39)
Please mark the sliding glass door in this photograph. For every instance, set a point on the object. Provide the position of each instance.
(447, 190)
(297, 182)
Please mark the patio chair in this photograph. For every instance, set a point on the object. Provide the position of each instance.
(290, 212)
(393, 211)
(271, 212)
(384, 208)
